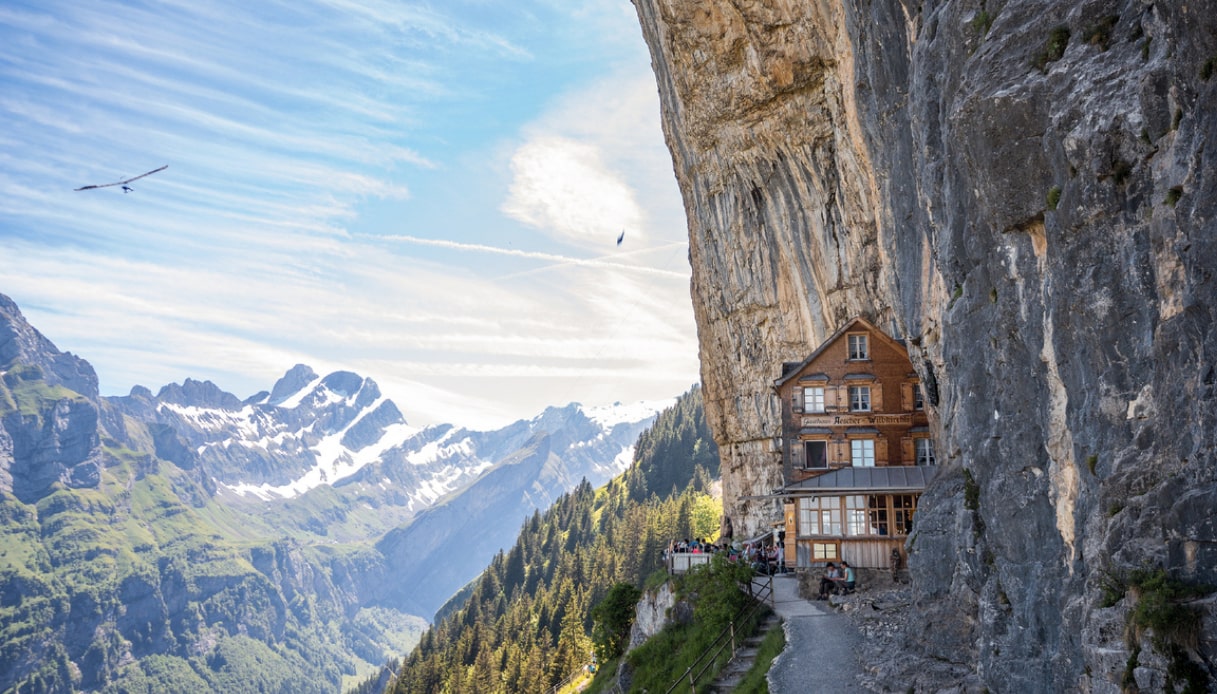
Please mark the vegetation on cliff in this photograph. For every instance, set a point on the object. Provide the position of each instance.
(527, 622)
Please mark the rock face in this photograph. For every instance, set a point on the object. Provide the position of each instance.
(1022, 191)
(48, 415)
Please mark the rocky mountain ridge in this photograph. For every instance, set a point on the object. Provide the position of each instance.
(1024, 191)
(190, 540)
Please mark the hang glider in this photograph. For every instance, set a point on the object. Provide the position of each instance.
(123, 183)
(621, 238)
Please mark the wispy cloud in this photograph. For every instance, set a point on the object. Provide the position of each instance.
(411, 191)
(558, 260)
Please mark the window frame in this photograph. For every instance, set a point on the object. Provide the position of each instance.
(825, 551)
(855, 456)
(858, 346)
(930, 457)
(818, 407)
(859, 390)
(807, 453)
(904, 508)
(819, 516)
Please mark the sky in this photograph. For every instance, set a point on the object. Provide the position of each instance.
(427, 194)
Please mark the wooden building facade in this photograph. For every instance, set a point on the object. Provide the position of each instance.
(856, 449)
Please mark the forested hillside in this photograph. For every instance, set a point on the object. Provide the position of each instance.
(526, 622)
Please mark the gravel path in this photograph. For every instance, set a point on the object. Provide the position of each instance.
(821, 651)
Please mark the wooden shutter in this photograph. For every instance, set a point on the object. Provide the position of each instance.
(881, 450)
(832, 399)
(839, 452)
(906, 397)
(796, 454)
(906, 450)
(796, 399)
(876, 397)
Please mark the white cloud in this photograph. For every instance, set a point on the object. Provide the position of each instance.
(563, 186)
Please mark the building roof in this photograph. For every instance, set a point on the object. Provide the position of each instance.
(789, 373)
(889, 480)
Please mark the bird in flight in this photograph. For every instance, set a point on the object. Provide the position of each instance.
(123, 183)
(621, 238)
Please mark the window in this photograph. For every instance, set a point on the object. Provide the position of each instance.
(859, 398)
(918, 398)
(862, 452)
(813, 399)
(815, 454)
(903, 508)
(855, 515)
(824, 551)
(925, 451)
(859, 350)
(820, 515)
(877, 514)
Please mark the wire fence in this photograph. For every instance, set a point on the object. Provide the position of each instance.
(709, 663)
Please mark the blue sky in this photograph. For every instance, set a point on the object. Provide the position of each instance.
(427, 194)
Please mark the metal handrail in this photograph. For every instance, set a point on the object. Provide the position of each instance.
(727, 637)
(569, 678)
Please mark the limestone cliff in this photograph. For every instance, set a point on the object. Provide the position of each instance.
(1022, 189)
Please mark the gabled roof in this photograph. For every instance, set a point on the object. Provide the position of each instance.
(849, 325)
(864, 480)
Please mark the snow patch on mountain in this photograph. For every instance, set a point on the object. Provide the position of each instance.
(609, 416)
(293, 401)
(335, 462)
(441, 449)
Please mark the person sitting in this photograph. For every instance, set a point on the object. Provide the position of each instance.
(849, 579)
(828, 583)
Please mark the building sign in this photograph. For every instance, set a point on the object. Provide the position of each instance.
(853, 420)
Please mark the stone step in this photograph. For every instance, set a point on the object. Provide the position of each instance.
(729, 678)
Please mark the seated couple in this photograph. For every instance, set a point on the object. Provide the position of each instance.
(836, 580)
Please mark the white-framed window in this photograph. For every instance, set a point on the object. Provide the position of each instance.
(918, 397)
(862, 452)
(813, 399)
(925, 451)
(859, 398)
(820, 515)
(859, 347)
(855, 515)
(815, 454)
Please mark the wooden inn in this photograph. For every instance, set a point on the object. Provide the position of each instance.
(856, 450)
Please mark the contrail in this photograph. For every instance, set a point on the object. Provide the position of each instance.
(537, 255)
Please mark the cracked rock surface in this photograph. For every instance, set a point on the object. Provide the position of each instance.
(1024, 190)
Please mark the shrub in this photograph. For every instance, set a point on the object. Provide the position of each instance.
(1173, 195)
(1054, 197)
(1054, 48)
(982, 21)
(1099, 33)
(1160, 609)
(612, 618)
(971, 492)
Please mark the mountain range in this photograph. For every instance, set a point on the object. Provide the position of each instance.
(288, 541)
